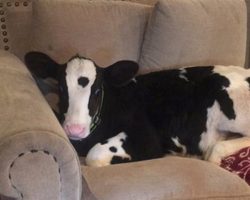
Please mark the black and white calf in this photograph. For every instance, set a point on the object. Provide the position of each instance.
(113, 116)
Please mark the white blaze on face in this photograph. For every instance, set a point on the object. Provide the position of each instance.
(78, 111)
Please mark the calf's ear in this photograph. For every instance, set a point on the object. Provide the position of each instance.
(41, 65)
(121, 72)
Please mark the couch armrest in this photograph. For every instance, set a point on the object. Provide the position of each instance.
(37, 160)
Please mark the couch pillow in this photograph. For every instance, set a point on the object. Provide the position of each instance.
(105, 31)
(195, 32)
(238, 163)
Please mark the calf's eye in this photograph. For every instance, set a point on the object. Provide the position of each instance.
(83, 81)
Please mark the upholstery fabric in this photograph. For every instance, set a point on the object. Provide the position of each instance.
(15, 24)
(101, 30)
(195, 32)
(248, 35)
(172, 178)
(147, 2)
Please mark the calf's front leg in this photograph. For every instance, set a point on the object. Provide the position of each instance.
(108, 152)
(226, 148)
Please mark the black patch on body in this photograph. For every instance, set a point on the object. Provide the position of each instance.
(211, 89)
(104, 142)
(118, 159)
(113, 149)
(172, 147)
(83, 81)
(177, 107)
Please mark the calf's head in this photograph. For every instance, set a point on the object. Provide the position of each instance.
(80, 83)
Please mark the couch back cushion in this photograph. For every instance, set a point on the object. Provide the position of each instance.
(195, 32)
(102, 30)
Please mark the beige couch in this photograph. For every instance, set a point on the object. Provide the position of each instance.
(37, 161)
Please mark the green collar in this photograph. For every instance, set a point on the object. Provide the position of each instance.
(96, 119)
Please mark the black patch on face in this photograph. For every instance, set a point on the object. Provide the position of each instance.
(113, 149)
(96, 93)
(63, 93)
(118, 159)
(83, 81)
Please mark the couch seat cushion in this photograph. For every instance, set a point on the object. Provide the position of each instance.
(166, 178)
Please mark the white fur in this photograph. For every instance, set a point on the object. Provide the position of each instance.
(240, 94)
(100, 155)
(78, 112)
(211, 136)
(217, 122)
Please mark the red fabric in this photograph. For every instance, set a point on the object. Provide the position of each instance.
(239, 163)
